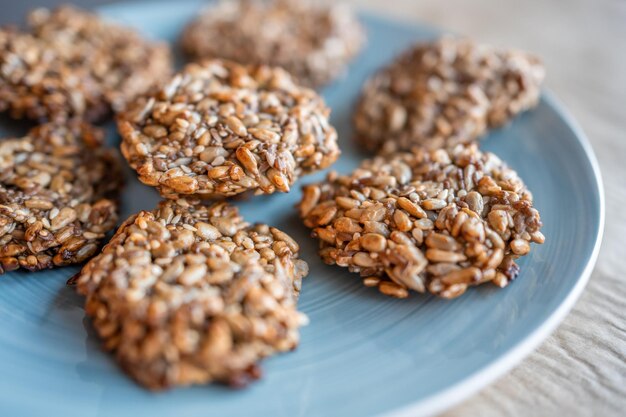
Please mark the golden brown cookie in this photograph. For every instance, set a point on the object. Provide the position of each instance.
(437, 221)
(189, 294)
(313, 41)
(58, 196)
(218, 129)
(70, 63)
(443, 93)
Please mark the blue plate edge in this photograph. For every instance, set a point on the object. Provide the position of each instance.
(465, 388)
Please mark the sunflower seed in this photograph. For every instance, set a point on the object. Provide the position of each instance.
(467, 238)
(221, 301)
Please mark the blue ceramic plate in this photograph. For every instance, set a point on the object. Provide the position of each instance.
(363, 354)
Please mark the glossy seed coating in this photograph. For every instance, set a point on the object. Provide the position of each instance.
(189, 294)
(218, 129)
(58, 196)
(444, 93)
(437, 221)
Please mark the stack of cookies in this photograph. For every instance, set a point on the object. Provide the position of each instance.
(189, 292)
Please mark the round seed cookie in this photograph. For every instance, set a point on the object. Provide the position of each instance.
(425, 220)
(71, 63)
(314, 42)
(443, 93)
(58, 196)
(188, 294)
(220, 129)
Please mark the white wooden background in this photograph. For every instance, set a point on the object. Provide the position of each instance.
(581, 369)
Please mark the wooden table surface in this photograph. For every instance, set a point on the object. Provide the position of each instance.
(581, 369)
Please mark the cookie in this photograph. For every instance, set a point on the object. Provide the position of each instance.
(314, 42)
(189, 294)
(443, 93)
(218, 129)
(437, 221)
(70, 63)
(58, 196)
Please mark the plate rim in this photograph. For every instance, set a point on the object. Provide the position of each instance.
(463, 389)
(470, 385)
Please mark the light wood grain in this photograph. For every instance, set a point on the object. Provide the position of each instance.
(581, 369)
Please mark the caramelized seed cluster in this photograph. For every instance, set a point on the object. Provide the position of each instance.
(437, 221)
(71, 63)
(58, 196)
(188, 294)
(443, 93)
(313, 42)
(220, 129)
